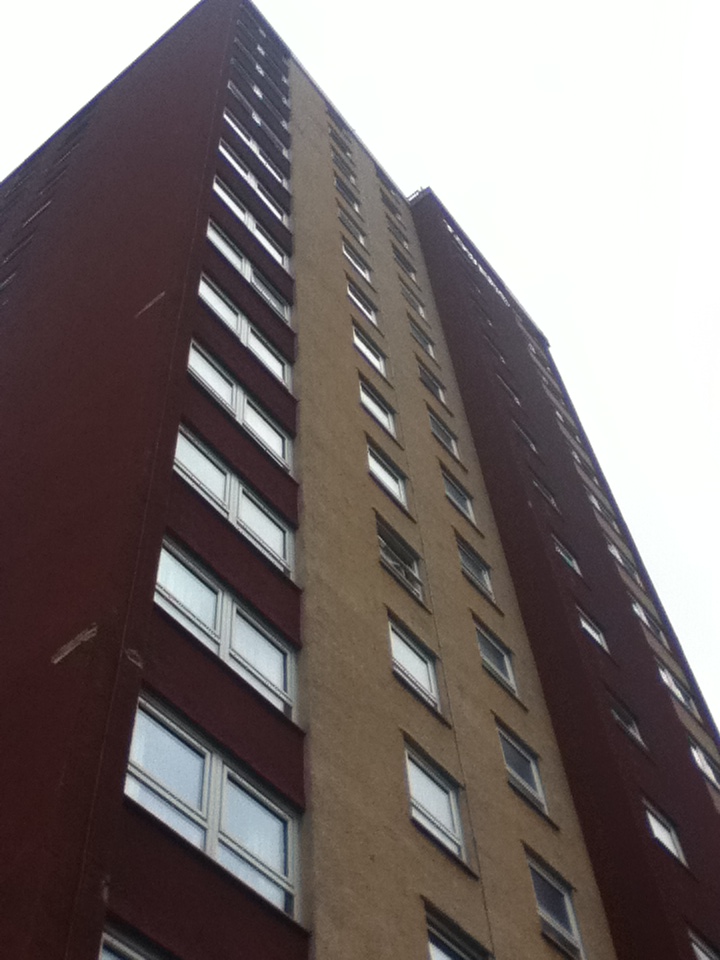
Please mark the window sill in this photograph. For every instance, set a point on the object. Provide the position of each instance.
(483, 593)
(532, 802)
(388, 569)
(418, 695)
(506, 685)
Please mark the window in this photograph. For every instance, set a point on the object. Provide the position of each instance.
(219, 620)
(447, 942)
(377, 408)
(390, 205)
(240, 129)
(624, 718)
(397, 233)
(352, 228)
(387, 474)
(223, 308)
(184, 782)
(249, 177)
(434, 802)
(363, 303)
(678, 689)
(344, 167)
(400, 560)
(347, 194)
(422, 338)
(244, 409)
(245, 217)
(474, 568)
(522, 767)
(269, 132)
(496, 657)
(702, 950)
(443, 433)
(625, 562)
(554, 903)
(649, 621)
(357, 261)
(404, 264)
(431, 383)
(664, 832)
(545, 493)
(412, 299)
(228, 494)
(525, 437)
(413, 663)
(114, 948)
(568, 558)
(248, 271)
(374, 356)
(705, 764)
(458, 496)
(604, 511)
(591, 629)
(509, 390)
(340, 142)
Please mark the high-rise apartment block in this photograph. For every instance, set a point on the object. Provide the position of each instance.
(322, 634)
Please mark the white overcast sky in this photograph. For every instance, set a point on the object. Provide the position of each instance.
(578, 144)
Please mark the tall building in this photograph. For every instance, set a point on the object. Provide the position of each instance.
(323, 636)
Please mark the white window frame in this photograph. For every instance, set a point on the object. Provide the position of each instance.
(509, 390)
(533, 788)
(237, 127)
(346, 193)
(475, 569)
(363, 303)
(389, 476)
(600, 508)
(707, 765)
(416, 304)
(249, 272)
(567, 557)
(450, 834)
(663, 830)
(505, 676)
(431, 383)
(240, 167)
(592, 630)
(377, 407)
(625, 563)
(264, 126)
(426, 686)
(120, 948)
(352, 228)
(648, 621)
(372, 353)
(421, 338)
(219, 773)
(443, 434)
(224, 309)
(240, 405)
(219, 637)
(400, 560)
(238, 500)
(566, 937)
(238, 208)
(626, 720)
(701, 949)
(678, 689)
(445, 943)
(356, 261)
(458, 496)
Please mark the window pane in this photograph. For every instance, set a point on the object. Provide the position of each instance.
(218, 304)
(431, 796)
(262, 525)
(231, 254)
(255, 649)
(267, 356)
(386, 476)
(211, 376)
(165, 811)
(169, 760)
(378, 409)
(264, 429)
(188, 589)
(494, 655)
(254, 827)
(552, 901)
(373, 356)
(252, 876)
(518, 763)
(417, 666)
(201, 467)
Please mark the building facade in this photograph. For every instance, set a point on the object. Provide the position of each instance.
(323, 635)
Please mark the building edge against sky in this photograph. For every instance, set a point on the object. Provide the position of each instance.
(329, 638)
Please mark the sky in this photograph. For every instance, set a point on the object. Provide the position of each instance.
(578, 145)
